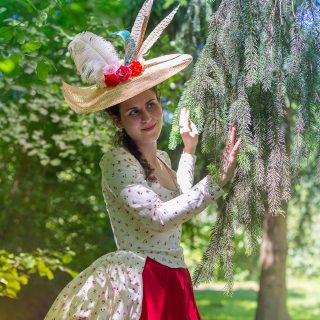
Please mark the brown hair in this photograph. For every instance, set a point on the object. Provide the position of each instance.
(124, 140)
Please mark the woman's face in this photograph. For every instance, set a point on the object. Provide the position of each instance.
(139, 113)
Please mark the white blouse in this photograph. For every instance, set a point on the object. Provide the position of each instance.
(146, 221)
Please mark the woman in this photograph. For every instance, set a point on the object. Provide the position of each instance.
(167, 289)
(146, 277)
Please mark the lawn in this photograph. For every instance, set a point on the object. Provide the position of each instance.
(303, 301)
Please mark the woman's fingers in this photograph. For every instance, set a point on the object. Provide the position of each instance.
(184, 117)
(236, 146)
(232, 137)
(186, 125)
(229, 145)
(228, 163)
(191, 129)
(194, 130)
(234, 151)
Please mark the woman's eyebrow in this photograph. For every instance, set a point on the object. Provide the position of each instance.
(150, 101)
(135, 107)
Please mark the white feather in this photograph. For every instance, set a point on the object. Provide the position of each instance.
(90, 54)
(155, 34)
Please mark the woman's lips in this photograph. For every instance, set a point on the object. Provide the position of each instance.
(148, 129)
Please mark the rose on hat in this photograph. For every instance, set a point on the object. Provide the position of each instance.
(113, 74)
(136, 68)
(111, 80)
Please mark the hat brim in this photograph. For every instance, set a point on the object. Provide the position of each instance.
(91, 99)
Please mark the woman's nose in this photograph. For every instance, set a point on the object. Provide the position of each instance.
(145, 116)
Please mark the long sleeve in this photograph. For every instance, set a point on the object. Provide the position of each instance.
(123, 176)
(185, 171)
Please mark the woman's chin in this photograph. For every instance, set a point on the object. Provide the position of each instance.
(149, 137)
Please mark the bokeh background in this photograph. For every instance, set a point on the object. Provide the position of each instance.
(53, 221)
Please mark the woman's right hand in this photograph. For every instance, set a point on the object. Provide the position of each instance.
(188, 131)
(228, 164)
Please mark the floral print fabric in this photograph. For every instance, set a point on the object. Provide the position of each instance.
(146, 221)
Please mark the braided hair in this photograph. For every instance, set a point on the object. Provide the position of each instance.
(123, 139)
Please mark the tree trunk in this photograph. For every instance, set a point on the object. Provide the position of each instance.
(272, 297)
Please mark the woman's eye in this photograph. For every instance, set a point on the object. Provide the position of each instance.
(151, 104)
(133, 113)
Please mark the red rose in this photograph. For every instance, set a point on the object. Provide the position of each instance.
(136, 68)
(123, 73)
(111, 80)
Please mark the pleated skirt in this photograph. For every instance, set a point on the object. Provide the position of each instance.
(167, 293)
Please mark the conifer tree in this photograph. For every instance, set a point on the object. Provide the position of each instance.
(259, 70)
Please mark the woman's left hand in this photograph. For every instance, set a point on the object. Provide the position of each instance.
(188, 131)
(229, 159)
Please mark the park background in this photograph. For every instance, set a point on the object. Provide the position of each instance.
(53, 221)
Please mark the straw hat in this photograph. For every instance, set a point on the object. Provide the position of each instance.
(117, 80)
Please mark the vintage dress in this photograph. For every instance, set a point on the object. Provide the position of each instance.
(146, 221)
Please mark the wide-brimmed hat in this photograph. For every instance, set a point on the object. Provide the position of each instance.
(117, 80)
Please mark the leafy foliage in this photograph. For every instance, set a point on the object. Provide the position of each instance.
(259, 70)
(49, 156)
(15, 270)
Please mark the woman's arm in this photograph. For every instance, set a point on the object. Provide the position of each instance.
(189, 135)
(185, 171)
(123, 175)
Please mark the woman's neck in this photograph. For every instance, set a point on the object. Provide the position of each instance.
(149, 153)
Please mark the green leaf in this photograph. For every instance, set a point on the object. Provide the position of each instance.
(44, 270)
(20, 36)
(7, 66)
(32, 152)
(44, 162)
(12, 64)
(14, 285)
(42, 70)
(3, 9)
(55, 162)
(29, 262)
(31, 46)
(67, 258)
(6, 33)
(49, 63)
(24, 279)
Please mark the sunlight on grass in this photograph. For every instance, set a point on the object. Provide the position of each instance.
(303, 301)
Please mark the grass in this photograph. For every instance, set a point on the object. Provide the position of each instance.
(303, 301)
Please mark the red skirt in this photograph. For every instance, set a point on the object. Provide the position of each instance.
(167, 293)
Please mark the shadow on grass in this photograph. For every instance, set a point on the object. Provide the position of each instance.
(295, 294)
(215, 305)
